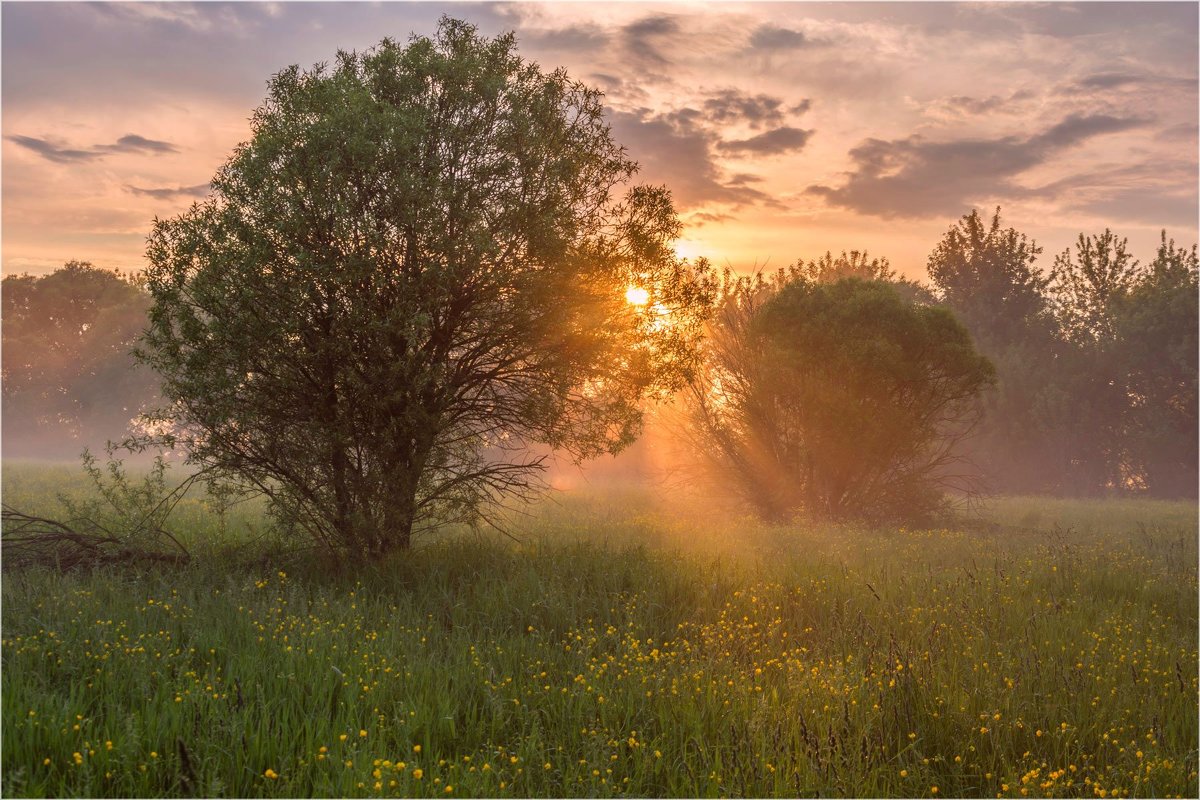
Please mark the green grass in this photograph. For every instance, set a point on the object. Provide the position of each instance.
(624, 646)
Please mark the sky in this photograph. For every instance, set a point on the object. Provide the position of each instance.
(784, 130)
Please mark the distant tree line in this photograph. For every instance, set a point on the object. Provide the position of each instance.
(69, 379)
(1096, 360)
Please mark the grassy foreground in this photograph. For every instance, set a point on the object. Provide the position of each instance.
(624, 647)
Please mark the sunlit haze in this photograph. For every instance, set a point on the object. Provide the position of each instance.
(783, 130)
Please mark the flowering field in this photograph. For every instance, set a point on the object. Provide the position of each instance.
(624, 647)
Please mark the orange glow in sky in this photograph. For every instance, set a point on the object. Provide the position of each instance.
(781, 129)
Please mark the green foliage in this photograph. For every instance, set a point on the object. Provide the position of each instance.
(68, 377)
(859, 264)
(414, 270)
(841, 400)
(986, 274)
(1088, 285)
(122, 520)
(1095, 362)
(1155, 325)
(695, 654)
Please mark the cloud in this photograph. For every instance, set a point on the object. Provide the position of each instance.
(60, 154)
(56, 153)
(1106, 82)
(642, 38)
(772, 37)
(200, 190)
(203, 18)
(1078, 128)
(1185, 132)
(781, 140)
(743, 178)
(1145, 205)
(573, 38)
(701, 218)
(674, 149)
(756, 110)
(984, 105)
(914, 177)
(1153, 192)
(1069, 20)
(132, 143)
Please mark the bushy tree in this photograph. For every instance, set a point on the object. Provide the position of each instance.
(859, 264)
(68, 377)
(987, 275)
(1155, 326)
(416, 268)
(840, 400)
(1087, 286)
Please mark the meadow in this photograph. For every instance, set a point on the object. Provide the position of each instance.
(622, 644)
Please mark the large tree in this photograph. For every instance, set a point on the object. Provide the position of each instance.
(417, 267)
(839, 400)
(1086, 288)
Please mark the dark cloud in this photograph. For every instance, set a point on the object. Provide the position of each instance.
(615, 86)
(657, 25)
(960, 106)
(915, 177)
(1145, 205)
(643, 39)
(781, 140)
(1108, 80)
(757, 110)
(1104, 82)
(1153, 192)
(773, 37)
(743, 178)
(573, 39)
(200, 190)
(674, 150)
(975, 105)
(1078, 128)
(1185, 132)
(130, 143)
(1070, 20)
(52, 152)
(702, 218)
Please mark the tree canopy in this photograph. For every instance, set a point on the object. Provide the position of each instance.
(68, 377)
(416, 268)
(840, 400)
(1155, 330)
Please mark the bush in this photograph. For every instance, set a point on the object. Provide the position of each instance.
(838, 400)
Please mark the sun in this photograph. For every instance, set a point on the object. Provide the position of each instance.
(637, 296)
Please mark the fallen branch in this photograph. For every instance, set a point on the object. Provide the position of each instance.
(28, 540)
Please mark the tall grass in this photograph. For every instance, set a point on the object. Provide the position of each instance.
(627, 646)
